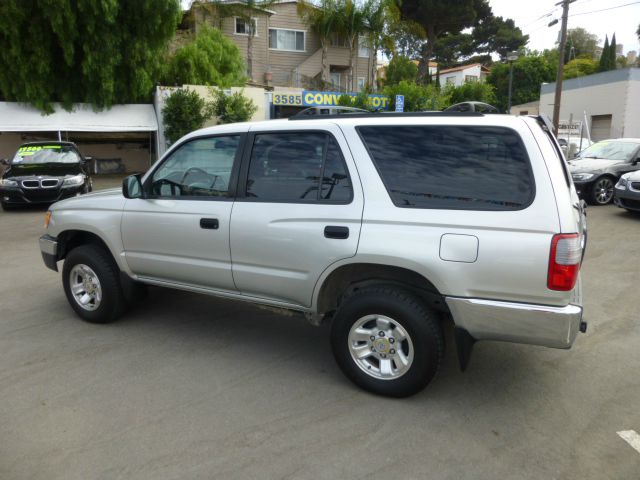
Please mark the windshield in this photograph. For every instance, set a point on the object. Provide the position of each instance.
(30, 154)
(610, 150)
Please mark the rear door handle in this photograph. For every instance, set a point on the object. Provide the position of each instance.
(331, 231)
(209, 223)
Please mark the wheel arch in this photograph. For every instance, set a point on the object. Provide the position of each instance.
(70, 239)
(347, 278)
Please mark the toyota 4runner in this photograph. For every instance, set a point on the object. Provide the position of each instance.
(383, 224)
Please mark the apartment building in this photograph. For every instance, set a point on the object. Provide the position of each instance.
(287, 52)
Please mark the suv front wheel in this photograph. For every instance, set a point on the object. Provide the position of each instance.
(387, 341)
(92, 284)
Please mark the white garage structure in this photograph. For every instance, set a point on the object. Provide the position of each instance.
(122, 138)
(611, 101)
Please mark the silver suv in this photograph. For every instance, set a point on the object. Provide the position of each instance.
(383, 224)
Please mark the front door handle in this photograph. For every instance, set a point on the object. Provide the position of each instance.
(209, 223)
(340, 233)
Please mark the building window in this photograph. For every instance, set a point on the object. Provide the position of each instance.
(291, 40)
(361, 83)
(450, 80)
(338, 40)
(363, 46)
(470, 78)
(242, 26)
(336, 78)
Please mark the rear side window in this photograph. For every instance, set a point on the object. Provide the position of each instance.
(298, 167)
(451, 167)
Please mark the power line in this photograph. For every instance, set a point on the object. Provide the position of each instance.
(603, 9)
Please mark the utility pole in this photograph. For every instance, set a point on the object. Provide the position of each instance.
(563, 42)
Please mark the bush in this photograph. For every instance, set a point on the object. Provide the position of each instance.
(211, 59)
(579, 67)
(467, 92)
(184, 112)
(233, 108)
(416, 97)
(401, 68)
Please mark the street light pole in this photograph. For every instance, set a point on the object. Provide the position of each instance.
(563, 42)
(512, 57)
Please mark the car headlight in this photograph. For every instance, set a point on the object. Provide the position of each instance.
(581, 177)
(72, 181)
(8, 183)
(622, 184)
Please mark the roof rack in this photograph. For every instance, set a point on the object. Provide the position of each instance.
(387, 115)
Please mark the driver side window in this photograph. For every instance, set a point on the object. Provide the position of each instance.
(199, 168)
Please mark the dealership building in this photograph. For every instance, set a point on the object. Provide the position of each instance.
(607, 102)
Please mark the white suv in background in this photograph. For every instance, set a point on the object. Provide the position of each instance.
(383, 224)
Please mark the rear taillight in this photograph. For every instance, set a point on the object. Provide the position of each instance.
(564, 261)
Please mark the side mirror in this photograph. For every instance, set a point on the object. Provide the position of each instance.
(87, 159)
(4, 162)
(132, 186)
(636, 161)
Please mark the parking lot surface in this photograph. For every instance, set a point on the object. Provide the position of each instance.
(189, 386)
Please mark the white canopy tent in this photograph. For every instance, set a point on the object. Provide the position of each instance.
(18, 117)
(120, 123)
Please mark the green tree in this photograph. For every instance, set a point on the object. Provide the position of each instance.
(406, 38)
(530, 71)
(603, 65)
(440, 17)
(351, 24)
(401, 68)
(245, 10)
(99, 52)
(613, 54)
(580, 44)
(377, 14)
(184, 112)
(211, 59)
(323, 19)
(233, 108)
(580, 67)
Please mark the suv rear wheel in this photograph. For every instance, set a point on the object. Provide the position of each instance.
(92, 284)
(387, 341)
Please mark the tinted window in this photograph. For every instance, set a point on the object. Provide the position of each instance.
(472, 168)
(297, 167)
(200, 167)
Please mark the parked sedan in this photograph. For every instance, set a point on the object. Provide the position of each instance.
(627, 192)
(44, 172)
(597, 168)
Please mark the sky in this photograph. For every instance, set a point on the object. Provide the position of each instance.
(527, 15)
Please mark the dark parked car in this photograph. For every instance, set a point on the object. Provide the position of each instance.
(44, 172)
(479, 107)
(597, 168)
(627, 192)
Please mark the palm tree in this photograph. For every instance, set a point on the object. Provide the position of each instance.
(246, 10)
(322, 19)
(378, 14)
(351, 25)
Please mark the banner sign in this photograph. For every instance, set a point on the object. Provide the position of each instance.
(330, 99)
(565, 128)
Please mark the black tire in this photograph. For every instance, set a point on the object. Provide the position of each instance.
(596, 194)
(112, 303)
(407, 310)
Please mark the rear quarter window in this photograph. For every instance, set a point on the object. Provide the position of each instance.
(451, 167)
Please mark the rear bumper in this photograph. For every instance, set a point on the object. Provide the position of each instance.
(548, 326)
(49, 250)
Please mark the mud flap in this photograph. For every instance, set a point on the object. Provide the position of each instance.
(464, 345)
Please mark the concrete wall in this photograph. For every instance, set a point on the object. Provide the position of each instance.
(615, 93)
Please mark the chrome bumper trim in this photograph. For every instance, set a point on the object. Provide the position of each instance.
(544, 325)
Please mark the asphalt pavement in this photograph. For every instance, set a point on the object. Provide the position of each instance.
(188, 386)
